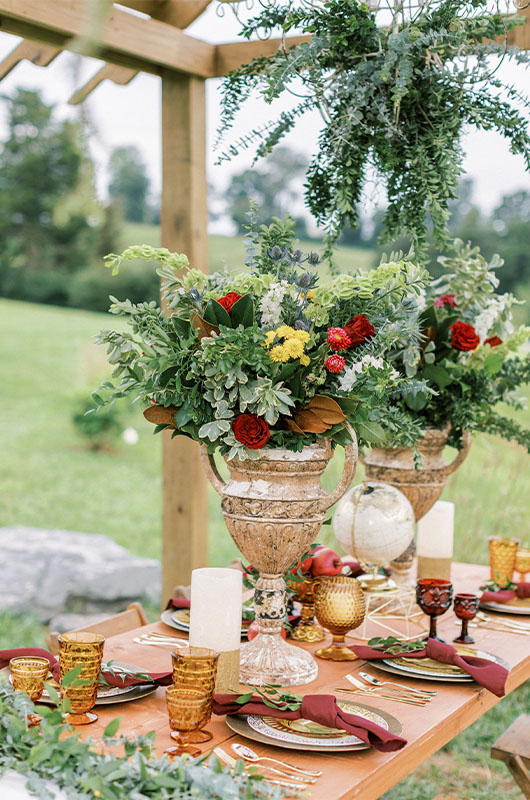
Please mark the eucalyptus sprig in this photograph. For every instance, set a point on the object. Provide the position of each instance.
(273, 695)
(395, 646)
(496, 586)
(120, 672)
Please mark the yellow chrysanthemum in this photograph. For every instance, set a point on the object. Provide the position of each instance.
(305, 360)
(270, 336)
(311, 294)
(302, 336)
(279, 353)
(285, 331)
(294, 348)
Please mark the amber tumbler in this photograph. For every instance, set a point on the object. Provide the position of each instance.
(434, 596)
(465, 608)
(340, 607)
(85, 648)
(28, 674)
(196, 668)
(189, 711)
(502, 559)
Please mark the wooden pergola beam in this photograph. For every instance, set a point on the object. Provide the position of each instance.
(39, 54)
(111, 72)
(179, 13)
(231, 56)
(124, 39)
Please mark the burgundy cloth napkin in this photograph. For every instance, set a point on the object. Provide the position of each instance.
(177, 603)
(160, 678)
(490, 675)
(506, 595)
(320, 708)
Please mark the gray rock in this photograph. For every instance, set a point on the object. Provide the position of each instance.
(47, 572)
(74, 622)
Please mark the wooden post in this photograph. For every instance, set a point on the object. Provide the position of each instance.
(184, 230)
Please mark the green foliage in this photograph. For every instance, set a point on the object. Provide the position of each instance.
(99, 430)
(54, 754)
(396, 98)
(47, 201)
(129, 183)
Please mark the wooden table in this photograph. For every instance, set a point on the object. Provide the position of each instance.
(363, 775)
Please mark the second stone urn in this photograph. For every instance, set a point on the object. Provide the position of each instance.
(274, 507)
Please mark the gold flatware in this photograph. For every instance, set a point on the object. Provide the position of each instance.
(231, 762)
(369, 693)
(376, 682)
(249, 755)
(511, 623)
(394, 692)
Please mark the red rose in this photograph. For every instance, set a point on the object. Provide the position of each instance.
(229, 300)
(335, 363)
(251, 430)
(359, 330)
(463, 336)
(338, 339)
(493, 341)
(445, 300)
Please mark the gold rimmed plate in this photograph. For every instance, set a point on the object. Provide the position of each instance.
(302, 734)
(180, 620)
(519, 605)
(428, 669)
(107, 695)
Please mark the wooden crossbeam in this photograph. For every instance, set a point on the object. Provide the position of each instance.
(124, 39)
(39, 54)
(179, 13)
(111, 72)
(231, 56)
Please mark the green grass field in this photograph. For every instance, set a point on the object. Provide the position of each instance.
(48, 479)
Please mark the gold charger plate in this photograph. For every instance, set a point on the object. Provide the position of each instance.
(307, 735)
(428, 669)
(180, 620)
(107, 695)
(519, 605)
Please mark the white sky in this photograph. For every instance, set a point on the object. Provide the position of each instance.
(123, 115)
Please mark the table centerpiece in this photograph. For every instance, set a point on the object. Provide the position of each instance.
(272, 366)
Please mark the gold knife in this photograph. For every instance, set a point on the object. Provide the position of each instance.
(231, 762)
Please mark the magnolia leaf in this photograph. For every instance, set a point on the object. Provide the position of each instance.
(161, 415)
(242, 312)
(438, 375)
(310, 422)
(327, 409)
(318, 416)
(216, 314)
(203, 327)
(372, 432)
(291, 424)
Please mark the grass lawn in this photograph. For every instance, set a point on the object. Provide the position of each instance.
(48, 479)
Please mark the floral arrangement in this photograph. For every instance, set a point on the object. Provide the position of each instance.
(274, 355)
(468, 355)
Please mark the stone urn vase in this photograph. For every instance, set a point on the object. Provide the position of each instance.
(274, 507)
(423, 486)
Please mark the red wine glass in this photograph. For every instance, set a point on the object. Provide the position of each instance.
(465, 607)
(434, 596)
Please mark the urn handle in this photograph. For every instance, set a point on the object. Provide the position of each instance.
(351, 453)
(208, 462)
(466, 444)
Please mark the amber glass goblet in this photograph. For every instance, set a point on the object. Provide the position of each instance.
(434, 596)
(28, 674)
(502, 559)
(85, 648)
(465, 607)
(196, 668)
(340, 607)
(189, 711)
(522, 563)
(308, 629)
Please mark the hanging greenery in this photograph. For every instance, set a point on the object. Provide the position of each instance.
(395, 98)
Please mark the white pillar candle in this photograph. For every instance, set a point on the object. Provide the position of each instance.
(215, 613)
(435, 541)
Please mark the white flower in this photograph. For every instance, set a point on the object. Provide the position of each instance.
(349, 375)
(130, 436)
(271, 305)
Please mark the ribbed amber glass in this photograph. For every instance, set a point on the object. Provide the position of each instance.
(28, 674)
(340, 607)
(86, 648)
(502, 559)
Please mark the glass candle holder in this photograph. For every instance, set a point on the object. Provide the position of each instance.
(28, 674)
(189, 711)
(465, 608)
(86, 648)
(522, 563)
(196, 668)
(502, 559)
(434, 596)
(340, 607)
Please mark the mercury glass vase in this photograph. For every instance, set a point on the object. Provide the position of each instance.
(274, 507)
